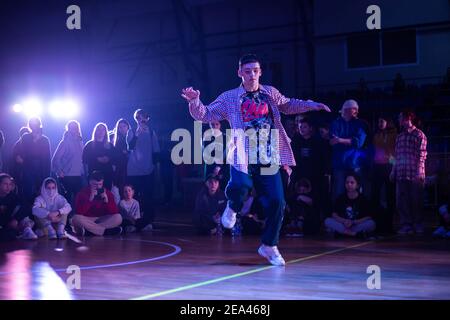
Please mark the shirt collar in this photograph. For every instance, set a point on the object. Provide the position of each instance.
(242, 91)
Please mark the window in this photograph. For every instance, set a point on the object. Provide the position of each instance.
(376, 49)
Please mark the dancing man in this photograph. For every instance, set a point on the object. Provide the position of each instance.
(257, 107)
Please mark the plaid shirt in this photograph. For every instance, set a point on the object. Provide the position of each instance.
(410, 154)
(228, 107)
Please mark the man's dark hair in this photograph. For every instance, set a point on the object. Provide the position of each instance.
(96, 175)
(409, 114)
(248, 58)
(4, 176)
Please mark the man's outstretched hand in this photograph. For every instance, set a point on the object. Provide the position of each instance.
(321, 106)
(190, 94)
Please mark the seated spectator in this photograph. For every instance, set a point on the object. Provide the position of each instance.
(51, 210)
(251, 215)
(130, 210)
(13, 215)
(302, 217)
(443, 231)
(351, 212)
(209, 205)
(95, 209)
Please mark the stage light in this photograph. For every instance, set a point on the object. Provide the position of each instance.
(17, 107)
(66, 108)
(32, 107)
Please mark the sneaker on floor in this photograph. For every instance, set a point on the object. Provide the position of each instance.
(228, 218)
(405, 230)
(113, 231)
(272, 254)
(28, 234)
(130, 229)
(79, 231)
(51, 233)
(148, 227)
(60, 232)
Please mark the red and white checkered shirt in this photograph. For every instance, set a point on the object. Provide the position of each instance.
(410, 154)
(228, 107)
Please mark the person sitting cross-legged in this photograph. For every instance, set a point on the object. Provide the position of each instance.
(95, 209)
(351, 212)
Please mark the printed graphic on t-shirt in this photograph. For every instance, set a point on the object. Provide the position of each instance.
(256, 115)
(351, 212)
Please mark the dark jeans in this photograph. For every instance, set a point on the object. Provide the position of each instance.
(269, 189)
(409, 202)
(69, 187)
(385, 217)
(143, 186)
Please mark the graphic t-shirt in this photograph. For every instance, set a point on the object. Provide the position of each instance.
(257, 115)
(352, 209)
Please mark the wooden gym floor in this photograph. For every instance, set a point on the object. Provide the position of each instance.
(173, 263)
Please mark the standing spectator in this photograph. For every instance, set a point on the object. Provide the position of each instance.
(308, 153)
(384, 147)
(98, 154)
(67, 161)
(16, 166)
(209, 204)
(51, 210)
(119, 140)
(144, 155)
(409, 173)
(95, 210)
(348, 137)
(2, 142)
(35, 152)
(13, 214)
(351, 212)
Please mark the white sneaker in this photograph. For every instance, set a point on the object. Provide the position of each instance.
(272, 254)
(148, 227)
(228, 218)
(28, 234)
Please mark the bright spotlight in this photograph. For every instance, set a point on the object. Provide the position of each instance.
(72, 108)
(63, 108)
(32, 107)
(17, 107)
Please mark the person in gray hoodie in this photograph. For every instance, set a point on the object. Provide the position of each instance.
(67, 161)
(51, 210)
